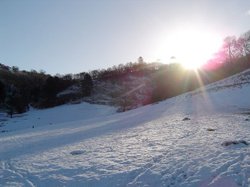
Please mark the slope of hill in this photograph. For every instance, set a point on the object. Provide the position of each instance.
(127, 93)
(200, 138)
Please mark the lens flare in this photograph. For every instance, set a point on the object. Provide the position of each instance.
(190, 47)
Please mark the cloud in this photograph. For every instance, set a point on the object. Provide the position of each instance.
(248, 12)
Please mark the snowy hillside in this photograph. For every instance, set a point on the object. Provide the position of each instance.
(196, 139)
(129, 92)
(237, 80)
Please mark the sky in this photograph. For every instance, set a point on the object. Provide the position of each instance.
(72, 36)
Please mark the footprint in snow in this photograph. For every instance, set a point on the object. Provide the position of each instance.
(227, 143)
(77, 152)
(186, 119)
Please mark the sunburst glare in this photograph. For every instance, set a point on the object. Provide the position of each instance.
(189, 47)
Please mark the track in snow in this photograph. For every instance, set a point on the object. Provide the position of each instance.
(163, 152)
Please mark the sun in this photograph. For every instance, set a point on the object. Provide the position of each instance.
(190, 47)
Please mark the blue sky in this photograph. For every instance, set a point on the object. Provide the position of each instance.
(71, 36)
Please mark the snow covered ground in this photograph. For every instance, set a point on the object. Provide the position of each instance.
(183, 141)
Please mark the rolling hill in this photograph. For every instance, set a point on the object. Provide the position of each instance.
(200, 138)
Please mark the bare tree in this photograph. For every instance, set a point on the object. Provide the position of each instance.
(229, 47)
(244, 43)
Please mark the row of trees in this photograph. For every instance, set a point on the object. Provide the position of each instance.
(20, 89)
(231, 51)
(138, 68)
(235, 48)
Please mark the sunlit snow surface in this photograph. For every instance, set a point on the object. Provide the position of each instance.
(148, 146)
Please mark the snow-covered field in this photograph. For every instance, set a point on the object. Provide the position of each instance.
(196, 139)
